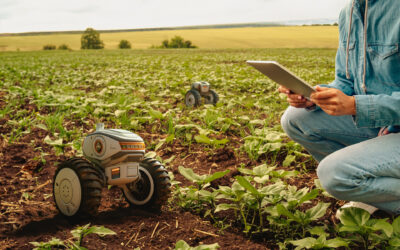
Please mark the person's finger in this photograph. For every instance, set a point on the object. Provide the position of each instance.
(329, 93)
(290, 100)
(330, 109)
(319, 88)
(328, 101)
(296, 96)
(283, 89)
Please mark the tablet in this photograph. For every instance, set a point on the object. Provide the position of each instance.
(283, 76)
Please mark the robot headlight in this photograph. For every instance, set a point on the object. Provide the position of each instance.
(132, 146)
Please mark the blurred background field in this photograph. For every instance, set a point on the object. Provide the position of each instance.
(256, 37)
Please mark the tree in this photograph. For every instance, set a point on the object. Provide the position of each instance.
(63, 47)
(124, 44)
(49, 47)
(91, 39)
(177, 42)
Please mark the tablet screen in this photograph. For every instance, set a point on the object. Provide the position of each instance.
(283, 76)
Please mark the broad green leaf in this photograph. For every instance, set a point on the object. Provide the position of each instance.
(317, 211)
(102, 231)
(354, 216)
(318, 231)
(309, 196)
(288, 160)
(189, 174)
(394, 242)
(261, 180)
(207, 247)
(170, 138)
(215, 176)
(41, 126)
(396, 225)
(336, 242)
(246, 171)
(224, 207)
(57, 142)
(304, 243)
(283, 211)
(262, 170)
(349, 228)
(247, 185)
(182, 245)
(156, 114)
(384, 226)
(118, 113)
(203, 139)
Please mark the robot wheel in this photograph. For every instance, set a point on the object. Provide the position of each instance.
(152, 190)
(77, 188)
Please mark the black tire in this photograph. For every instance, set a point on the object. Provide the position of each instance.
(211, 97)
(153, 188)
(192, 98)
(91, 181)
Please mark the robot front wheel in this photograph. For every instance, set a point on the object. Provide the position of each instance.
(192, 98)
(77, 187)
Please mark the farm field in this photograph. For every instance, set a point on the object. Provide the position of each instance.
(263, 37)
(260, 189)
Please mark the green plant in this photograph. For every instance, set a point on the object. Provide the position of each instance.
(195, 197)
(182, 245)
(200, 180)
(51, 244)
(77, 234)
(360, 229)
(319, 243)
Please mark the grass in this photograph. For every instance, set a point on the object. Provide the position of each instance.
(262, 37)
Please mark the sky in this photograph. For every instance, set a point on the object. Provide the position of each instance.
(54, 15)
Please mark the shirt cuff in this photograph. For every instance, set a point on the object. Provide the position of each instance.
(313, 108)
(365, 111)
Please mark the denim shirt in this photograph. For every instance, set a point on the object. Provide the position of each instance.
(373, 65)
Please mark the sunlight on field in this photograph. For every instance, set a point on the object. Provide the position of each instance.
(264, 37)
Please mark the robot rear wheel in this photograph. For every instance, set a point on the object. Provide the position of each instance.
(77, 188)
(153, 187)
(211, 97)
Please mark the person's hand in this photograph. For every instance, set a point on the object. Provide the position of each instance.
(334, 101)
(295, 100)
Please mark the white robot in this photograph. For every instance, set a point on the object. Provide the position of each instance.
(113, 157)
(198, 90)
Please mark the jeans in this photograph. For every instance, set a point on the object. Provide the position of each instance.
(354, 164)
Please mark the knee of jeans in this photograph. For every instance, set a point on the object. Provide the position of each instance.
(287, 120)
(332, 178)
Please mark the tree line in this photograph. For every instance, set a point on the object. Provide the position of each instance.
(91, 40)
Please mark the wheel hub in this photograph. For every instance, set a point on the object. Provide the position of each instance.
(141, 191)
(66, 190)
(190, 100)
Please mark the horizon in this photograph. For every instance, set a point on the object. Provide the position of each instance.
(24, 16)
(207, 26)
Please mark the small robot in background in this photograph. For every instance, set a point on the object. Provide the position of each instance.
(198, 90)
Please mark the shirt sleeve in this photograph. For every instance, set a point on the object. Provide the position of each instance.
(375, 111)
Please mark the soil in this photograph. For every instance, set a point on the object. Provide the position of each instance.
(28, 212)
